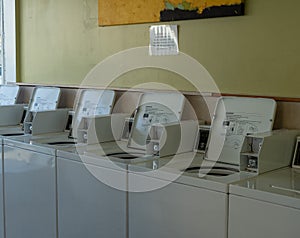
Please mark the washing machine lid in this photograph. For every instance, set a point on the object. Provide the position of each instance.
(280, 187)
(8, 94)
(233, 119)
(92, 102)
(44, 99)
(154, 108)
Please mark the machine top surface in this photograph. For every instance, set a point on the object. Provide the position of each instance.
(281, 186)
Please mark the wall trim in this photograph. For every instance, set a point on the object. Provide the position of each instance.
(190, 93)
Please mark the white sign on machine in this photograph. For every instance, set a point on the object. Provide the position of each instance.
(8, 94)
(153, 110)
(11, 113)
(234, 118)
(92, 103)
(44, 99)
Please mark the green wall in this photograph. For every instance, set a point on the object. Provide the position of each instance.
(259, 53)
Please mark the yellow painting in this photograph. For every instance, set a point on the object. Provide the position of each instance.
(118, 12)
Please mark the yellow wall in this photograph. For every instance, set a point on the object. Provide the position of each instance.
(259, 53)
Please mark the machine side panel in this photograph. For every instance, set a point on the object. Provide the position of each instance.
(30, 194)
(253, 218)
(175, 211)
(86, 206)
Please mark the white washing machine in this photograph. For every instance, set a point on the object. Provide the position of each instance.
(29, 176)
(266, 206)
(163, 204)
(10, 119)
(8, 98)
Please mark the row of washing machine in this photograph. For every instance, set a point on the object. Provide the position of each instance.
(29, 206)
(33, 173)
(143, 177)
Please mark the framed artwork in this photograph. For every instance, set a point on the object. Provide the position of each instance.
(119, 12)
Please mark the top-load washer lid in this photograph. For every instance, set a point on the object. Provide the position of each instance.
(281, 187)
(154, 108)
(44, 99)
(235, 117)
(8, 94)
(92, 102)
